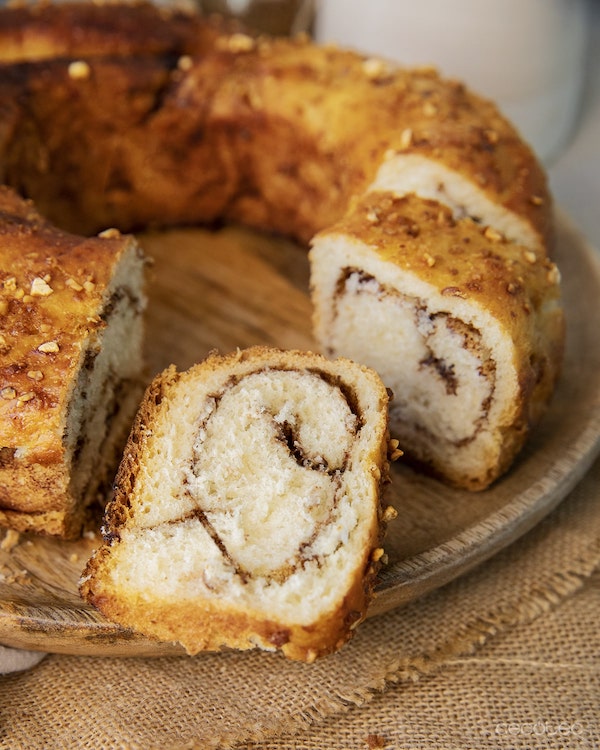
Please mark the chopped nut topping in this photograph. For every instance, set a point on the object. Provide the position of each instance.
(373, 217)
(48, 347)
(184, 63)
(376, 742)
(377, 554)
(19, 294)
(493, 234)
(429, 109)
(10, 541)
(553, 275)
(311, 655)
(237, 43)
(74, 285)
(453, 291)
(8, 393)
(396, 454)
(429, 259)
(375, 68)
(40, 288)
(537, 200)
(530, 256)
(110, 233)
(21, 577)
(390, 513)
(79, 70)
(36, 375)
(512, 288)
(406, 137)
(28, 396)
(10, 284)
(89, 286)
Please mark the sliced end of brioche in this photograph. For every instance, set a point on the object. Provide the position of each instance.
(247, 507)
(70, 366)
(464, 326)
(405, 173)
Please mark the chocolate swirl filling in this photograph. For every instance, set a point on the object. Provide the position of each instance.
(450, 374)
(272, 445)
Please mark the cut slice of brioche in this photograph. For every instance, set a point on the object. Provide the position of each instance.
(464, 326)
(404, 173)
(247, 507)
(70, 366)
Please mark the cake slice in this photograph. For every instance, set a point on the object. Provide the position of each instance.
(463, 325)
(404, 173)
(70, 366)
(247, 507)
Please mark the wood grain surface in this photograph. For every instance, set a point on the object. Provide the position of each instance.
(234, 288)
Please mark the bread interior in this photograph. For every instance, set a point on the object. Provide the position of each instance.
(402, 174)
(107, 390)
(254, 492)
(446, 360)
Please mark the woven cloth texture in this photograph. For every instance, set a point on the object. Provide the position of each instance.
(504, 657)
(533, 686)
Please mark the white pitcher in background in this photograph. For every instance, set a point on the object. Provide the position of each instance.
(527, 55)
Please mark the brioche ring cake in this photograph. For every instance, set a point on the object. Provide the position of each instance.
(247, 507)
(430, 219)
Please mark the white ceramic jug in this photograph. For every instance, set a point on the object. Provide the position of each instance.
(527, 55)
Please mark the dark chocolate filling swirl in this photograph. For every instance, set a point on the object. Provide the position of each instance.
(270, 524)
(431, 363)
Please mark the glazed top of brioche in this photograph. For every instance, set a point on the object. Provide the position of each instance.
(476, 262)
(44, 31)
(276, 114)
(51, 293)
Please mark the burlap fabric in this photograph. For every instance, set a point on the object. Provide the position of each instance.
(505, 657)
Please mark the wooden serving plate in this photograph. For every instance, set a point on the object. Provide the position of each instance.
(234, 288)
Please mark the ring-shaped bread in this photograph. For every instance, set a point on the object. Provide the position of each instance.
(132, 115)
(430, 223)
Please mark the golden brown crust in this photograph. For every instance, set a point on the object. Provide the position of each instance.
(204, 624)
(42, 31)
(276, 133)
(517, 286)
(52, 293)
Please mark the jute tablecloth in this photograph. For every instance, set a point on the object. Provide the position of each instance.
(505, 657)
